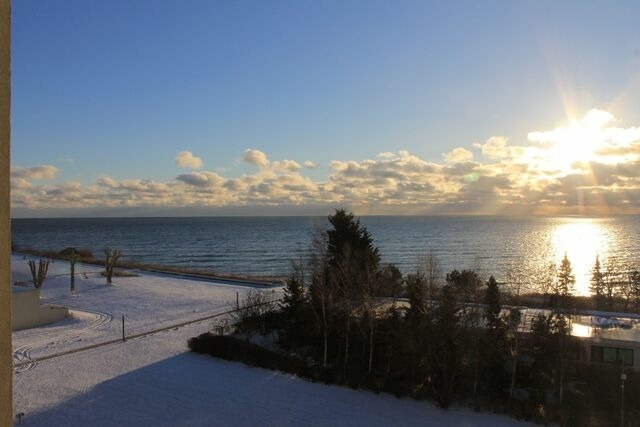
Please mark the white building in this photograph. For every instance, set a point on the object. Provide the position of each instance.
(27, 312)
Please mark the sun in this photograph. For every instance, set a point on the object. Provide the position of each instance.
(565, 149)
(574, 144)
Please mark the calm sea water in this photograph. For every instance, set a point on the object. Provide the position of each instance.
(265, 245)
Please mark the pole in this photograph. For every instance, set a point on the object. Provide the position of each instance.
(123, 328)
(622, 406)
(623, 377)
(237, 301)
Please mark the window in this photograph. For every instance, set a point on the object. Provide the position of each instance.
(611, 355)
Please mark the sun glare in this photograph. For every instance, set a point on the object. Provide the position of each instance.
(565, 148)
(581, 239)
(574, 144)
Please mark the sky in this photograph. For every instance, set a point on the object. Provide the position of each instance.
(158, 108)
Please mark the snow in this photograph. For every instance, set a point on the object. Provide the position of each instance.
(149, 301)
(154, 380)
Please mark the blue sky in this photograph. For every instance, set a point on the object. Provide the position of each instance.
(117, 89)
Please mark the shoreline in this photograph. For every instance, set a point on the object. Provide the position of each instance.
(182, 272)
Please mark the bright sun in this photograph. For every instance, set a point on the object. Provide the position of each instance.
(574, 144)
(563, 148)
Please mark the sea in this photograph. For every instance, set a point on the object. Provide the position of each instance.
(509, 248)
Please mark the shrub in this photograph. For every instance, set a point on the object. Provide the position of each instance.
(231, 348)
(81, 253)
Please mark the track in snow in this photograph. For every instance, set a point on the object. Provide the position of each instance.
(22, 360)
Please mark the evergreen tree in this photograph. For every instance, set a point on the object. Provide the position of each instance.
(294, 292)
(566, 280)
(389, 281)
(417, 294)
(468, 288)
(447, 347)
(420, 331)
(597, 285)
(493, 307)
(348, 237)
(293, 304)
(493, 340)
(466, 284)
(352, 263)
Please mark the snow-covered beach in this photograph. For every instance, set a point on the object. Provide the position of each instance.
(76, 372)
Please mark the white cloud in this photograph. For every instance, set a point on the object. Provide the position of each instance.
(458, 155)
(494, 147)
(526, 178)
(34, 172)
(597, 118)
(107, 181)
(309, 164)
(255, 157)
(186, 159)
(286, 165)
(386, 155)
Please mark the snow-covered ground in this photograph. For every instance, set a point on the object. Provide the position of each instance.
(154, 380)
(149, 301)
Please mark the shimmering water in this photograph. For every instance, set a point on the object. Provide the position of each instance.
(265, 245)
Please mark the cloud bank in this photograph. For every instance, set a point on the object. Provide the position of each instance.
(591, 166)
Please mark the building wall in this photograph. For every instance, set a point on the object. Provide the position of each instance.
(635, 346)
(27, 311)
(6, 368)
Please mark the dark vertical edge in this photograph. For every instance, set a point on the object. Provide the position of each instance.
(6, 368)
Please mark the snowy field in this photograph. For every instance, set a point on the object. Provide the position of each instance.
(149, 301)
(155, 380)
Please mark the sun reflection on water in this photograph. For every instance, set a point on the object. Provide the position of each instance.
(580, 330)
(582, 239)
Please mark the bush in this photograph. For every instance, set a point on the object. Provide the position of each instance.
(254, 311)
(82, 253)
(231, 348)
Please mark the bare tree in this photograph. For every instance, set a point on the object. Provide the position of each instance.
(252, 310)
(621, 284)
(111, 260)
(514, 320)
(345, 281)
(614, 277)
(430, 269)
(38, 275)
(627, 289)
(634, 279)
(547, 282)
(321, 292)
(369, 289)
(515, 284)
